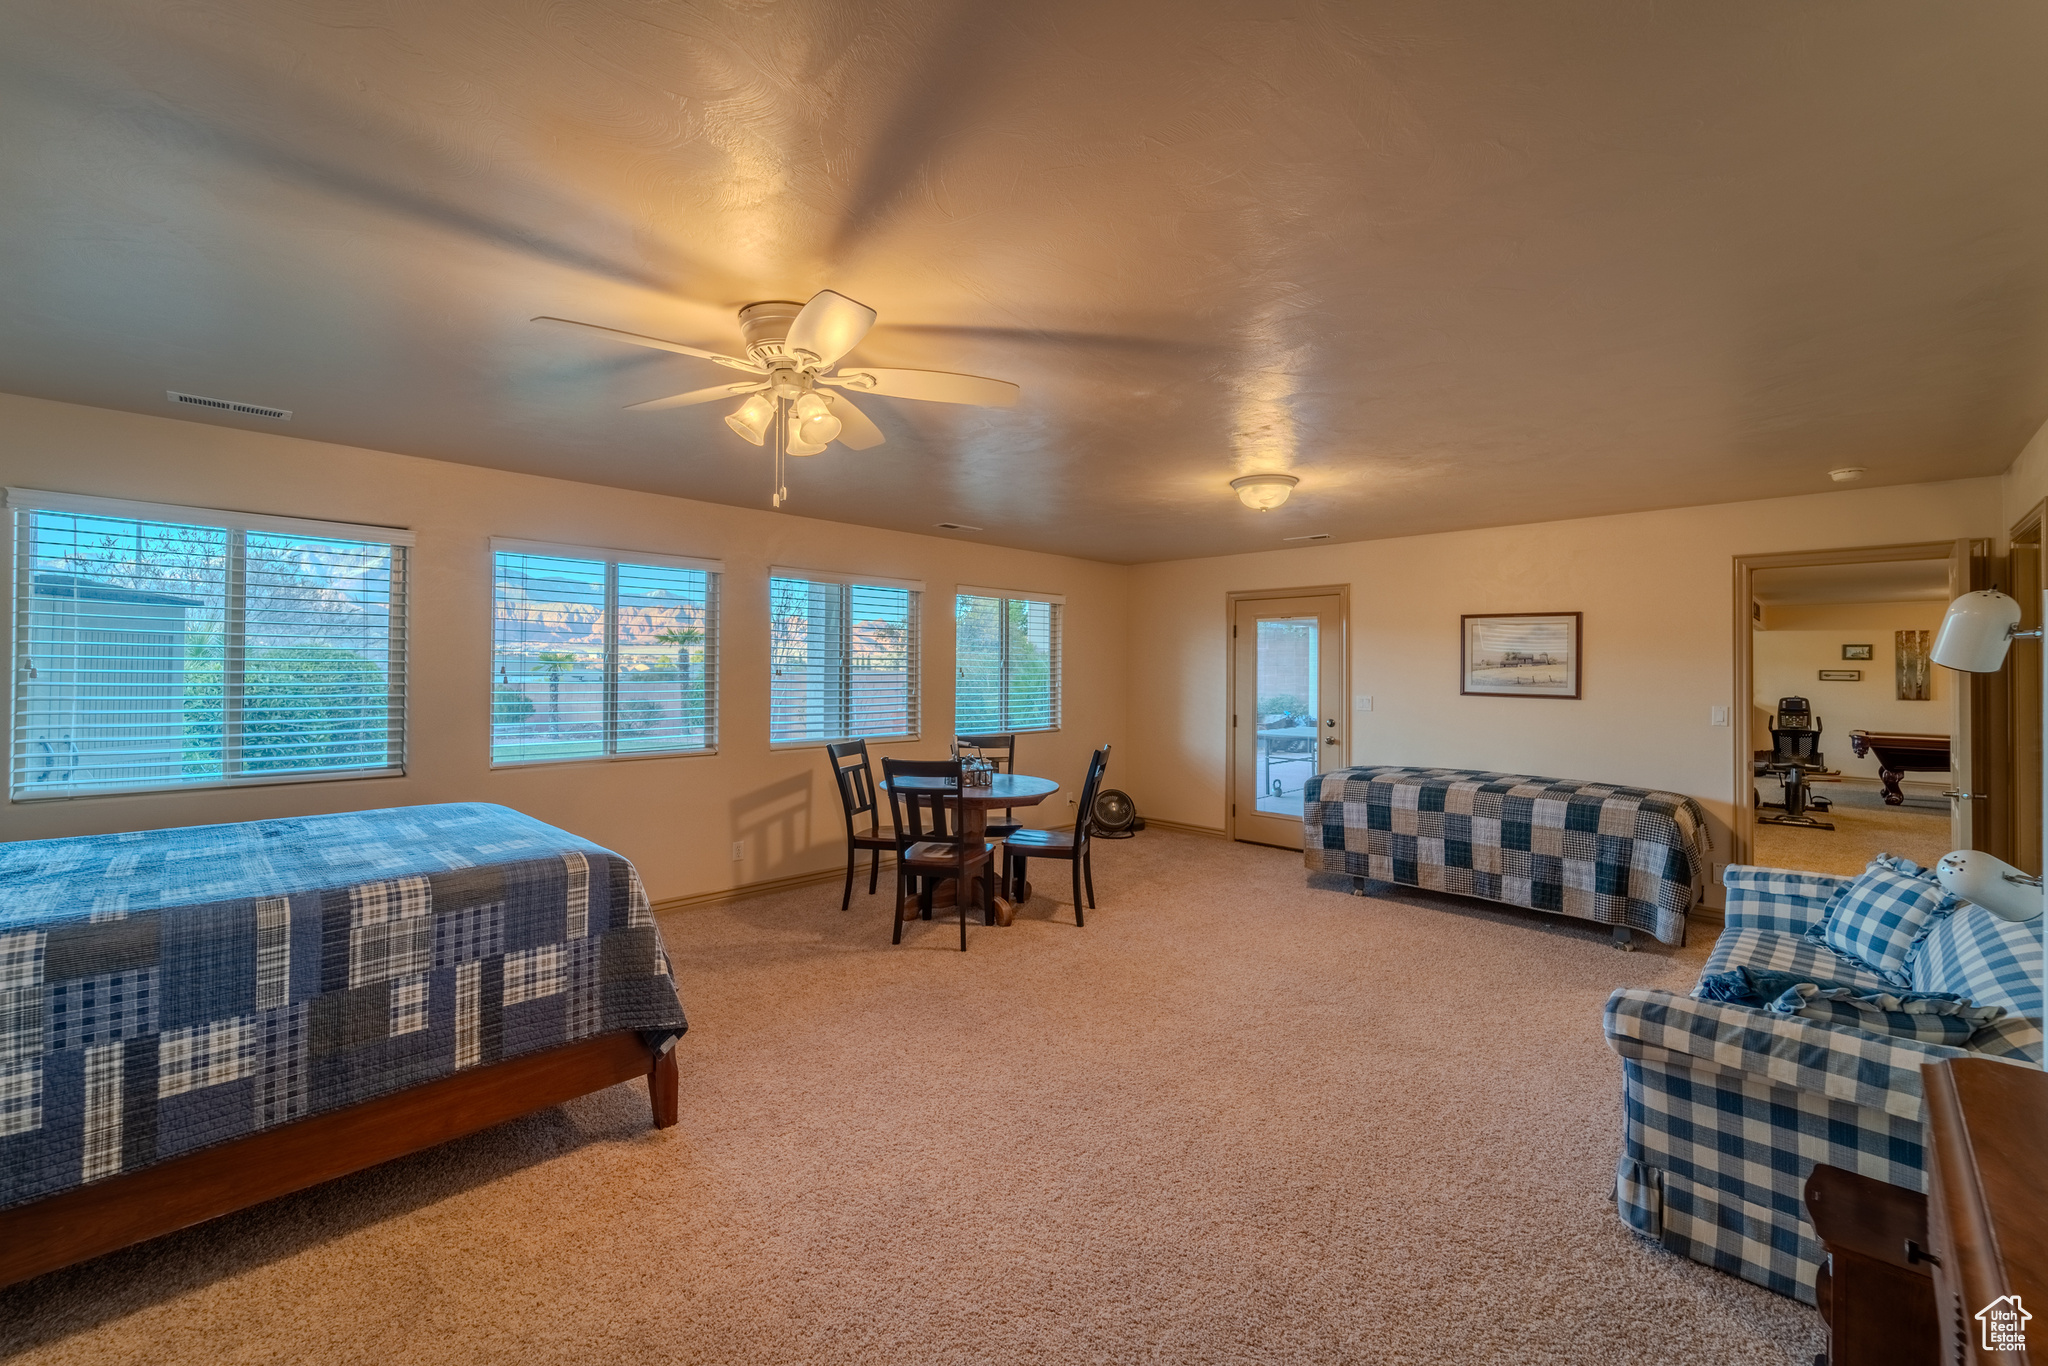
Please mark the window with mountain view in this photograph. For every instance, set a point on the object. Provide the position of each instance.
(843, 656)
(600, 656)
(163, 647)
(1006, 663)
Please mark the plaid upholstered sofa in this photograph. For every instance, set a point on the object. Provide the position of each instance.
(1727, 1108)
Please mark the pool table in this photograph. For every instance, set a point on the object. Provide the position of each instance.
(1899, 754)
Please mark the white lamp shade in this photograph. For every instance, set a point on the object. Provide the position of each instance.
(814, 419)
(1981, 880)
(1976, 632)
(753, 418)
(1264, 492)
(797, 444)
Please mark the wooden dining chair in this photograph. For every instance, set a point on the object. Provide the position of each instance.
(1000, 750)
(930, 844)
(1075, 845)
(856, 779)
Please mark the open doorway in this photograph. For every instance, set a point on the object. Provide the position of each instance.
(1851, 742)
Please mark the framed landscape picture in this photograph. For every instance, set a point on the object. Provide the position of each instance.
(1522, 654)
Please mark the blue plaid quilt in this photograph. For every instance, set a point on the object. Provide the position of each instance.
(1617, 855)
(164, 990)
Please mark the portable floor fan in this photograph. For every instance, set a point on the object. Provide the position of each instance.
(1115, 815)
(795, 390)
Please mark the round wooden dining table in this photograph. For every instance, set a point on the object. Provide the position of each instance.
(1005, 791)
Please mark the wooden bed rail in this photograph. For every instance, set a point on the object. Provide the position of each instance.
(179, 1192)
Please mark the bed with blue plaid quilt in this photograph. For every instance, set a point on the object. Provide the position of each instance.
(1622, 856)
(166, 990)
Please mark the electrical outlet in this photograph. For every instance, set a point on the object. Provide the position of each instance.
(1718, 716)
(739, 850)
(1363, 702)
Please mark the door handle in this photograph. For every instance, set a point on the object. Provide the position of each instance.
(1330, 740)
(1966, 796)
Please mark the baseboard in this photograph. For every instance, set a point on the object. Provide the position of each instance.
(1181, 827)
(699, 900)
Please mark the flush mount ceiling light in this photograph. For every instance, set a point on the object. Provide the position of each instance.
(1264, 491)
(791, 350)
(1847, 474)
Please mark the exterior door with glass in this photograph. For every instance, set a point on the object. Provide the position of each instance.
(1288, 718)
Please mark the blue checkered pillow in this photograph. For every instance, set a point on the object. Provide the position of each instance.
(1877, 920)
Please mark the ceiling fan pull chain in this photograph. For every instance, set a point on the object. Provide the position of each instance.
(781, 443)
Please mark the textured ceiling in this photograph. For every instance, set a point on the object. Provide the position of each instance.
(1452, 264)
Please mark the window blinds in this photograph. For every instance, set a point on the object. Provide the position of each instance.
(844, 660)
(597, 656)
(161, 647)
(1006, 664)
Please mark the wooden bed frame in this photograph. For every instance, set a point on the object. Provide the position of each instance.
(120, 1211)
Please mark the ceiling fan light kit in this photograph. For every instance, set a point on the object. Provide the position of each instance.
(793, 348)
(1264, 492)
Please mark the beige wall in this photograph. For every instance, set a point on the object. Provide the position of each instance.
(1800, 641)
(676, 818)
(2024, 484)
(1656, 590)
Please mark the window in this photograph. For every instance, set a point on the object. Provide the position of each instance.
(1006, 661)
(843, 654)
(600, 654)
(167, 647)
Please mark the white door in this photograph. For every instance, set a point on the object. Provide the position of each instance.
(1287, 709)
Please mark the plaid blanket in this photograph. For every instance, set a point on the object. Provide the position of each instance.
(164, 990)
(1616, 855)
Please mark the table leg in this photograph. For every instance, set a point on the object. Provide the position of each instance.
(1894, 795)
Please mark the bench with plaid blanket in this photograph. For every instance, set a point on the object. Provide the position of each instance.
(1726, 1109)
(1621, 856)
(164, 991)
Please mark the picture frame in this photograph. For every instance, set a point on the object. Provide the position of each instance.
(1520, 654)
(1856, 652)
(1841, 675)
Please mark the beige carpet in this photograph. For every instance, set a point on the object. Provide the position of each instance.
(1233, 1120)
(1864, 828)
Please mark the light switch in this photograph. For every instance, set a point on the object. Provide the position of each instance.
(1364, 703)
(1719, 717)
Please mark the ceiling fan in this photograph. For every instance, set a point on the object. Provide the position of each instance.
(793, 351)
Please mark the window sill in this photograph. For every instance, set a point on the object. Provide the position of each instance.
(872, 740)
(501, 765)
(24, 797)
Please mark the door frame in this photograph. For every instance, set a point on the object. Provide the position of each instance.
(2027, 544)
(1743, 825)
(1230, 602)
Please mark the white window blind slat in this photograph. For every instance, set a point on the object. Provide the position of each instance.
(154, 654)
(598, 658)
(843, 661)
(1006, 664)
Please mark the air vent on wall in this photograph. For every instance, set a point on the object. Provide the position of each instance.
(1319, 536)
(956, 526)
(229, 406)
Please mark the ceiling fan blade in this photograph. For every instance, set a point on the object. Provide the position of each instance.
(829, 326)
(634, 338)
(695, 396)
(935, 386)
(856, 432)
